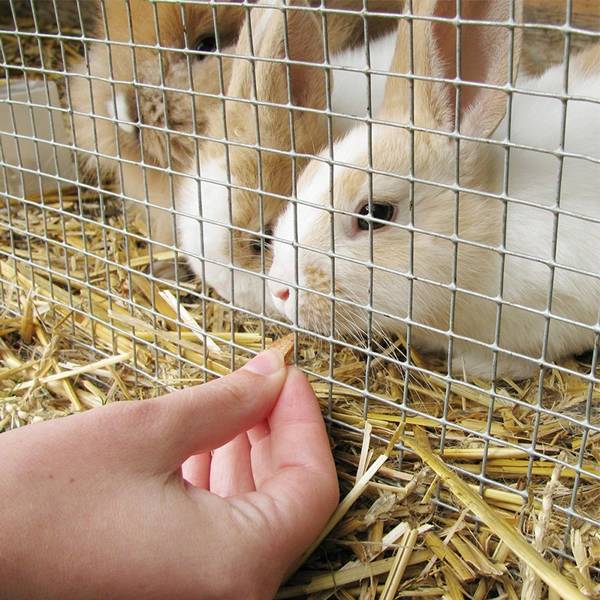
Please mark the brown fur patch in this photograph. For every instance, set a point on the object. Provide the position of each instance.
(587, 62)
(317, 279)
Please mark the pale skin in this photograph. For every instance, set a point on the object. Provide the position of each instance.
(95, 504)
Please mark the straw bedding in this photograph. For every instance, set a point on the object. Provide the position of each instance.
(82, 324)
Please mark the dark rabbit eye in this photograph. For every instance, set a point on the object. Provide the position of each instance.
(379, 210)
(255, 244)
(205, 44)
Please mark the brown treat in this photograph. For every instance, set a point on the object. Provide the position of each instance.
(286, 346)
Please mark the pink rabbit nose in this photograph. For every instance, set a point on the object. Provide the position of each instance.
(282, 293)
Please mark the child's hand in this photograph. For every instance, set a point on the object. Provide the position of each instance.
(94, 505)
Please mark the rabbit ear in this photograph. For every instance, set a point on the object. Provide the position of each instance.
(268, 27)
(485, 54)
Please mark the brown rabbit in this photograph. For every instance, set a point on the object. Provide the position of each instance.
(96, 101)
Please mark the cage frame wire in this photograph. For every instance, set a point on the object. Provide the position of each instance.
(202, 295)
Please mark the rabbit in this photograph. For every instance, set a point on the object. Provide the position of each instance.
(413, 247)
(234, 261)
(96, 102)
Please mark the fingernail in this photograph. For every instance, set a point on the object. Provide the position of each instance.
(266, 363)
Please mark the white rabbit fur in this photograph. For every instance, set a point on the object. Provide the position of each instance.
(533, 179)
(209, 251)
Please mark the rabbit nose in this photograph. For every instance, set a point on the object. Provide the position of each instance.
(282, 293)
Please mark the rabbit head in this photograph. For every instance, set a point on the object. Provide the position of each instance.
(393, 240)
(186, 35)
(242, 190)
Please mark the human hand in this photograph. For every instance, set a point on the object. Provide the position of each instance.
(95, 504)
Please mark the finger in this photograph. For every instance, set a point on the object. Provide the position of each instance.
(162, 433)
(230, 471)
(303, 483)
(196, 470)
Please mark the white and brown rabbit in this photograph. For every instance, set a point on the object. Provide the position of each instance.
(152, 126)
(522, 260)
(223, 220)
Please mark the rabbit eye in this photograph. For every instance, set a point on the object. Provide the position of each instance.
(205, 44)
(255, 244)
(379, 210)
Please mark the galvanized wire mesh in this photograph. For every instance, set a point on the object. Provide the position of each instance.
(41, 154)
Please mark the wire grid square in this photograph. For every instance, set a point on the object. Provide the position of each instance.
(393, 381)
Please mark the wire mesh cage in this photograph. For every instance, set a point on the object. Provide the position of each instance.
(409, 188)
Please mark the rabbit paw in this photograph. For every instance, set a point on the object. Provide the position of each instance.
(478, 364)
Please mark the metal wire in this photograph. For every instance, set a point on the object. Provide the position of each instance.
(333, 252)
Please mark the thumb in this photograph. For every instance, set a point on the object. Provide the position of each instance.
(201, 418)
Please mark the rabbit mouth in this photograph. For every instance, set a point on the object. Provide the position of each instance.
(321, 314)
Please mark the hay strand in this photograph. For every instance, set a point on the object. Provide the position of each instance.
(399, 565)
(510, 536)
